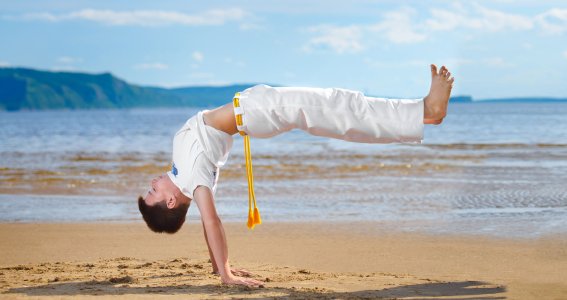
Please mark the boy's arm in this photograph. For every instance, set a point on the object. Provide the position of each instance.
(216, 237)
(213, 262)
(237, 272)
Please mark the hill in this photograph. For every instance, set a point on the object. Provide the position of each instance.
(524, 99)
(28, 89)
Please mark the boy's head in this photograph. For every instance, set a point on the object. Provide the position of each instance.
(165, 206)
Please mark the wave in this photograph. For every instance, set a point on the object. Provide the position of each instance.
(480, 146)
(106, 172)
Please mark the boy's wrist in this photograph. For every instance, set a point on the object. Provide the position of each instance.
(226, 277)
(225, 273)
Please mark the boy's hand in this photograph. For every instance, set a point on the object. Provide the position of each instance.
(236, 272)
(241, 272)
(237, 280)
(216, 240)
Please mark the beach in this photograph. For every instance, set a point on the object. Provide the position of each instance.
(296, 261)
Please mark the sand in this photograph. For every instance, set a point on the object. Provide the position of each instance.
(297, 261)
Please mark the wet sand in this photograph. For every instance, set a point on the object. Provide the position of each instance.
(297, 261)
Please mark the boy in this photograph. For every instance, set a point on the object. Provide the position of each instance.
(202, 145)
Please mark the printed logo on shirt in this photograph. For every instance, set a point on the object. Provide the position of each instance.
(174, 170)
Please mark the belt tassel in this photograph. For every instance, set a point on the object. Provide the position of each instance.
(253, 212)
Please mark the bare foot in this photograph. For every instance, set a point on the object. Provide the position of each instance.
(435, 103)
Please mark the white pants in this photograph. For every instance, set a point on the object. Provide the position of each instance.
(334, 113)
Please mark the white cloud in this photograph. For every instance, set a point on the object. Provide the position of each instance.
(398, 27)
(217, 82)
(454, 62)
(339, 39)
(494, 20)
(479, 18)
(198, 56)
(151, 66)
(144, 17)
(69, 60)
(443, 19)
(406, 26)
(496, 62)
(250, 26)
(202, 75)
(528, 45)
(289, 75)
(487, 61)
(63, 68)
(553, 21)
(384, 64)
(237, 63)
(450, 62)
(417, 63)
(4, 64)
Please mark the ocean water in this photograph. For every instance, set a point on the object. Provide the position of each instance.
(495, 169)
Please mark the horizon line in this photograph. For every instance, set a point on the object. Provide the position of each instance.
(220, 85)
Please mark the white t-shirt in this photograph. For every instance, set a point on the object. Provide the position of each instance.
(199, 151)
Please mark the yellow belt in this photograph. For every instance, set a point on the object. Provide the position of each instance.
(253, 214)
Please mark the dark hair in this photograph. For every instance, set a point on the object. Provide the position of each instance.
(160, 219)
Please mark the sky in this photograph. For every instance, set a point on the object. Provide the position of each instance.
(494, 49)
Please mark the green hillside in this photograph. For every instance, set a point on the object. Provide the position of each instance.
(27, 89)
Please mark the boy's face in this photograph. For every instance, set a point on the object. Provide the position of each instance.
(161, 188)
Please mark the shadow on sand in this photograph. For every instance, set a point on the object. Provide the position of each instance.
(460, 289)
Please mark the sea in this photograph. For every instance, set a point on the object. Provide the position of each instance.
(490, 169)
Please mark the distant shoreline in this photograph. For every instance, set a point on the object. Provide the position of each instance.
(474, 102)
(24, 89)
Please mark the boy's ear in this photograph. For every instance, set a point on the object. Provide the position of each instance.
(170, 202)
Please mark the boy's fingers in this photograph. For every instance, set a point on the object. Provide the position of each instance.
(247, 282)
(241, 272)
(256, 283)
(252, 280)
(245, 273)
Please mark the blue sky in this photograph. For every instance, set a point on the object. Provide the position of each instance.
(499, 48)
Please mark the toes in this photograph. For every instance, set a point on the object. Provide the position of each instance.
(448, 75)
(451, 80)
(443, 71)
(433, 70)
